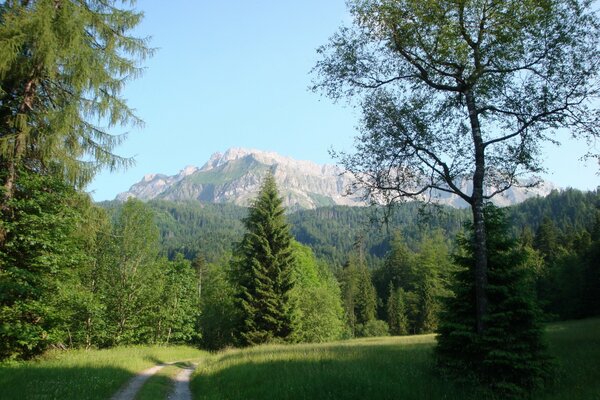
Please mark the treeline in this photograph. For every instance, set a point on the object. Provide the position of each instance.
(78, 275)
(73, 277)
(192, 228)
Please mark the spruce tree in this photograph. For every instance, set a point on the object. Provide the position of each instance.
(263, 269)
(510, 356)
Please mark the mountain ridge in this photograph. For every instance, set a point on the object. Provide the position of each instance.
(235, 177)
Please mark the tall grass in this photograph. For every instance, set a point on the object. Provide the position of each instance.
(378, 368)
(81, 374)
(383, 368)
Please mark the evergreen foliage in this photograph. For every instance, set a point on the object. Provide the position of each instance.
(64, 64)
(397, 312)
(510, 356)
(264, 268)
(415, 282)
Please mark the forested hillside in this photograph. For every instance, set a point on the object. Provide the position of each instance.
(192, 228)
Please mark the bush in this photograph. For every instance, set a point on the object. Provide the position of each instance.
(374, 327)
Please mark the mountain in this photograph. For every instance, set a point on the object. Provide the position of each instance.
(235, 177)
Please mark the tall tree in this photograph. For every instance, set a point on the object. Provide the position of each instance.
(462, 90)
(315, 300)
(358, 293)
(132, 282)
(63, 65)
(263, 267)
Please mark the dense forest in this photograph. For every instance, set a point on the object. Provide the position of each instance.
(559, 230)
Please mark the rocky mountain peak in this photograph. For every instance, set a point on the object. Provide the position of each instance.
(235, 177)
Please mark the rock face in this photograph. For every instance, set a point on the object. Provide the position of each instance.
(235, 177)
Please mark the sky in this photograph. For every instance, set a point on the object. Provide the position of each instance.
(236, 73)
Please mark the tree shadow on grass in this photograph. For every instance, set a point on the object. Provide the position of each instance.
(329, 372)
(31, 382)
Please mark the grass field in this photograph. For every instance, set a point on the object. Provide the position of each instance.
(377, 368)
(80, 374)
(384, 368)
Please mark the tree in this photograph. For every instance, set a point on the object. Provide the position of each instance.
(132, 282)
(178, 306)
(464, 90)
(396, 312)
(315, 300)
(430, 281)
(63, 64)
(220, 317)
(263, 267)
(510, 356)
(39, 256)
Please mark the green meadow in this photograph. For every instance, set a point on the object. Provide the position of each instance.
(384, 368)
(375, 368)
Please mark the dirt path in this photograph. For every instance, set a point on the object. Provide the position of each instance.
(181, 391)
(135, 384)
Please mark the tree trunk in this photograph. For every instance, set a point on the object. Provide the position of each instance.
(477, 205)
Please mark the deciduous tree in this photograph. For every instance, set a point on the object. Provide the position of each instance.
(463, 90)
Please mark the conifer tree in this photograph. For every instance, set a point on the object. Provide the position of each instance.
(263, 269)
(510, 357)
(63, 66)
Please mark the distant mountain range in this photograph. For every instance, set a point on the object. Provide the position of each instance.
(235, 177)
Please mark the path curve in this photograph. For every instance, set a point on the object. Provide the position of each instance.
(182, 384)
(135, 384)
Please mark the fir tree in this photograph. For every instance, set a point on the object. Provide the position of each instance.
(263, 268)
(510, 356)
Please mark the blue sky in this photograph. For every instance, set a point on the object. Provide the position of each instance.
(235, 73)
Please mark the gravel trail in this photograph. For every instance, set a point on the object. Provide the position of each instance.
(134, 385)
(181, 391)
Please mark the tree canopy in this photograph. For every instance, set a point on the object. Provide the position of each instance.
(63, 65)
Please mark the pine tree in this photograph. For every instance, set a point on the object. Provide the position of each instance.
(510, 356)
(263, 269)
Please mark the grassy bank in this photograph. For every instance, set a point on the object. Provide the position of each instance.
(80, 374)
(383, 368)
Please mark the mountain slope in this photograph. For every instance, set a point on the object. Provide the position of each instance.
(235, 177)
